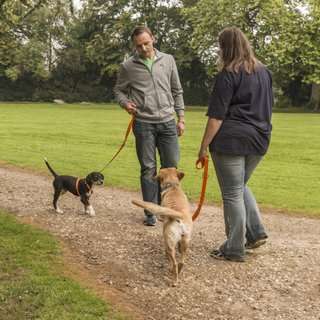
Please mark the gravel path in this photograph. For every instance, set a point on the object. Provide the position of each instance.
(124, 260)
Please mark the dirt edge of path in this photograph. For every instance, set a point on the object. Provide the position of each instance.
(120, 260)
(76, 269)
(265, 209)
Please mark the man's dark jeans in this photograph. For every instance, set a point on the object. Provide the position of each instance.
(151, 137)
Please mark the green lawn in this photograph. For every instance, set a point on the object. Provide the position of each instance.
(32, 285)
(80, 138)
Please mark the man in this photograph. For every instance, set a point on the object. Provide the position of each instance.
(148, 87)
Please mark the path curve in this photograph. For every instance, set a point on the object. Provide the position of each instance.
(125, 263)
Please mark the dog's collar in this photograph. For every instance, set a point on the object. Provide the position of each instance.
(87, 185)
(77, 185)
(165, 188)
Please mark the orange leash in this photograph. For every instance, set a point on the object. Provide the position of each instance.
(203, 165)
(123, 143)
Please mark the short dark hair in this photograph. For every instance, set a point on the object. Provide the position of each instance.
(139, 30)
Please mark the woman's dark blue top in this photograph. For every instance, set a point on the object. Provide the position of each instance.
(244, 102)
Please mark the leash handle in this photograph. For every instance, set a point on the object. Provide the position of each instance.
(202, 163)
(123, 143)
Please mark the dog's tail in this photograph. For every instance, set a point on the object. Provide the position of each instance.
(49, 167)
(156, 209)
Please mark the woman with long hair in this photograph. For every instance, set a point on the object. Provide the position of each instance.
(238, 133)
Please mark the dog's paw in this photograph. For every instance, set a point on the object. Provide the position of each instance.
(90, 211)
(174, 283)
(92, 214)
(180, 266)
(58, 210)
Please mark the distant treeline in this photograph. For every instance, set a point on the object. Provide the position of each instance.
(52, 50)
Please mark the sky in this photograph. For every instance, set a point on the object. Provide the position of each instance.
(77, 3)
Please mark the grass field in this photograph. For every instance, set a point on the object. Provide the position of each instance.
(80, 138)
(32, 284)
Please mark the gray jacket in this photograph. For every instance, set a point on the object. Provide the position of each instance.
(157, 94)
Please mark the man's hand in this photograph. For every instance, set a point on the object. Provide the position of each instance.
(131, 107)
(180, 127)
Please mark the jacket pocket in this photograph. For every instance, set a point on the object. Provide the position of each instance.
(150, 105)
(137, 98)
(166, 102)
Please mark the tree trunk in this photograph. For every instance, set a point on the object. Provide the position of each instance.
(315, 96)
(50, 52)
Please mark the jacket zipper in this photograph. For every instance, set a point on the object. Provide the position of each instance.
(154, 85)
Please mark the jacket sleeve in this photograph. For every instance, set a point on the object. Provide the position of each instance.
(121, 89)
(176, 90)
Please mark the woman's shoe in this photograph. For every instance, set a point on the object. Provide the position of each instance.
(219, 255)
(256, 244)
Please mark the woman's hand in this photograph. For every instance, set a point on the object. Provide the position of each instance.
(213, 126)
(201, 155)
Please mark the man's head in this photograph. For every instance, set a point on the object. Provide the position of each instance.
(143, 39)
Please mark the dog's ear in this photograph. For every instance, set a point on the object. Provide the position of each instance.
(89, 176)
(180, 175)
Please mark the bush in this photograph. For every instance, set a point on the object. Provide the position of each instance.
(282, 102)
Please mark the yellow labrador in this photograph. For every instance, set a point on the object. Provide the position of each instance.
(175, 210)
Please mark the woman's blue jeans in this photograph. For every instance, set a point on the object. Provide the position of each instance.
(241, 214)
(151, 137)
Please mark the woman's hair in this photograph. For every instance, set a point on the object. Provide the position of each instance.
(236, 51)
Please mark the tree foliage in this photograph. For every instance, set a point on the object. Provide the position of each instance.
(75, 54)
(284, 35)
(31, 32)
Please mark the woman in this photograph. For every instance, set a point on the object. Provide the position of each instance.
(238, 135)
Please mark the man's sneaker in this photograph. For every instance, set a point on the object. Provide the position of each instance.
(256, 244)
(150, 220)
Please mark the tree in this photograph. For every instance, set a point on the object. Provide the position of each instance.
(253, 17)
(31, 30)
(311, 52)
(294, 47)
(284, 35)
(111, 24)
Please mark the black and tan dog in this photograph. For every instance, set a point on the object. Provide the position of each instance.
(79, 187)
